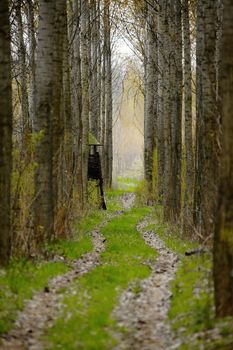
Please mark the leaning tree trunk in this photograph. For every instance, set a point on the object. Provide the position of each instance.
(223, 244)
(43, 205)
(189, 157)
(5, 133)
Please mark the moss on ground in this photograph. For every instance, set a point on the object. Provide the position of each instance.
(87, 319)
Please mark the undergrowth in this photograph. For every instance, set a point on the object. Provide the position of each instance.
(87, 319)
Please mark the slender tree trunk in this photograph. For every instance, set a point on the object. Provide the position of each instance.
(32, 50)
(167, 184)
(43, 205)
(151, 90)
(199, 113)
(23, 75)
(5, 133)
(94, 86)
(177, 116)
(189, 157)
(160, 114)
(223, 245)
(208, 127)
(108, 127)
(67, 161)
(76, 99)
(85, 93)
(103, 108)
(58, 116)
(172, 96)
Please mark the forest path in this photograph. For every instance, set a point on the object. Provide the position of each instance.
(141, 310)
(144, 313)
(42, 310)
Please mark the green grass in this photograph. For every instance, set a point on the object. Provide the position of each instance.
(71, 249)
(192, 304)
(86, 321)
(18, 282)
(23, 277)
(124, 185)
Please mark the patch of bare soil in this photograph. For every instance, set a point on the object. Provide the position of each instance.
(142, 310)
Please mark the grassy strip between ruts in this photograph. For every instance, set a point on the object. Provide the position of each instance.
(192, 306)
(23, 277)
(86, 321)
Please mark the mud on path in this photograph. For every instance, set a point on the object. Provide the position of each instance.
(144, 314)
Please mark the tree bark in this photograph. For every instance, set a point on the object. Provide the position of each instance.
(25, 119)
(43, 205)
(151, 92)
(85, 94)
(5, 133)
(108, 147)
(223, 240)
(58, 102)
(172, 110)
(32, 50)
(207, 120)
(188, 119)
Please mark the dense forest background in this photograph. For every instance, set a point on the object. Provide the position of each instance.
(165, 107)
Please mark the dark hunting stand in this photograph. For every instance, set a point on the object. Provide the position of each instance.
(94, 168)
